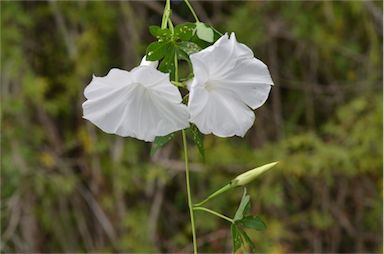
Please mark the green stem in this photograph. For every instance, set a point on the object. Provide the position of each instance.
(166, 20)
(179, 84)
(166, 14)
(213, 212)
(190, 204)
(176, 70)
(216, 193)
(189, 192)
(192, 10)
(170, 24)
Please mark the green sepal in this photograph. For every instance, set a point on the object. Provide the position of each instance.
(159, 142)
(243, 207)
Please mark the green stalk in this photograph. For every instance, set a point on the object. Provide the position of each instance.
(179, 84)
(166, 20)
(213, 212)
(190, 204)
(166, 14)
(189, 192)
(216, 193)
(192, 10)
(170, 24)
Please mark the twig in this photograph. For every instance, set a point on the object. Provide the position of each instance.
(376, 14)
(14, 210)
(99, 214)
(155, 211)
(70, 45)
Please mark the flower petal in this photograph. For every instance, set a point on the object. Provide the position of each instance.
(221, 114)
(141, 103)
(220, 57)
(250, 81)
(156, 81)
(115, 78)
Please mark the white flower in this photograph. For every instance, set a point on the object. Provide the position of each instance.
(228, 81)
(141, 103)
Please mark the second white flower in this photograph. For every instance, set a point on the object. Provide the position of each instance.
(228, 82)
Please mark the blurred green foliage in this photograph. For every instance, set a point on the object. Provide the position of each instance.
(68, 187)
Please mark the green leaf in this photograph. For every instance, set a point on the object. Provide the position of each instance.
(243, 207)
(162, 34)
(167, 65)
(236, 238)
(182, 55)
(253, 222)
(204, 32)
(217, 34)
(251, 245)
(188, 47)
(159, 142)
(185, 31)
(198, 139)
(202, 44)
(157, 50)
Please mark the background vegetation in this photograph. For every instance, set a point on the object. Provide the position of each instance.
(68, 187)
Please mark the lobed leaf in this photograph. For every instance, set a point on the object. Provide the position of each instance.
(188, 47)
(251, 245)
(161, 34)
(185, 31)
(167, 65)
(253, 222)
(157, 50)
(236, 238)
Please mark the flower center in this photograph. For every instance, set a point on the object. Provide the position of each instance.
(210, 85)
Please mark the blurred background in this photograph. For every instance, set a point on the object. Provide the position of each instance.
(68, 187)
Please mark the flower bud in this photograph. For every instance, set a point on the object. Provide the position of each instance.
(250, 175)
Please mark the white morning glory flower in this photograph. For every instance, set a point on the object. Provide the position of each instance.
(228, 83)
(141, 103)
